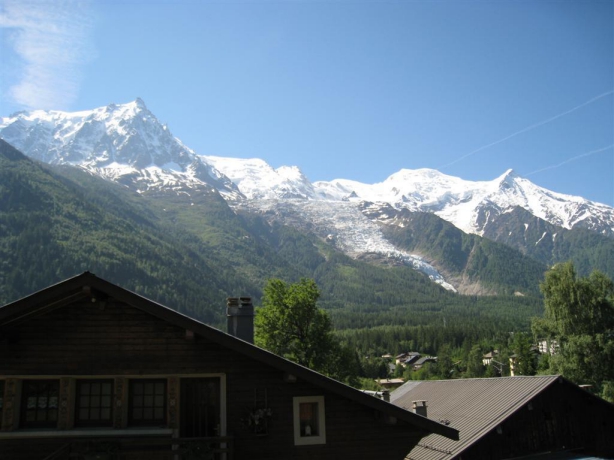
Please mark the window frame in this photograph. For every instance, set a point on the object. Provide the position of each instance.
(23, 422)
(300, 440)
(78, 422)
(135, 422)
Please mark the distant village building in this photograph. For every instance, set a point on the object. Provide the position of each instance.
(488, 357)
(407, 359)
(419, 363)
(390, 384)
(547, 347)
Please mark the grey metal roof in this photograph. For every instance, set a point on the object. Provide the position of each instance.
(425, 359)
(472, 406)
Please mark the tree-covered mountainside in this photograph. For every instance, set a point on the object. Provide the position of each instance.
(190, 252)
(52, 228)
(550, 244)
(466, 258)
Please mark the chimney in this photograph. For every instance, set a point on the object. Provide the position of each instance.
(240, 318)
(419, 407)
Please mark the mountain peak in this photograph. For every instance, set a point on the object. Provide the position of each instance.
(507, 178)
(140, 103)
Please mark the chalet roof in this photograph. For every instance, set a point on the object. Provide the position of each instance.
(407, 353)
(425, 359)
(390, 381)
(87, 284)
(473, 406)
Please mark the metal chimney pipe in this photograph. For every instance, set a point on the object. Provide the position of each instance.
(419, 407)
(240, 318)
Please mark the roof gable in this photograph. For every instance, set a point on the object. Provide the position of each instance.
(86, 285)
(472, 406)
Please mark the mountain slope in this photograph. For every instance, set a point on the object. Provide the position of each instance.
(52, 228)
(550, 244)
(190, 254)
(474, 264)
(127, 144)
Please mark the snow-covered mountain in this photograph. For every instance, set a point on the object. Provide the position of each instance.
(257, 180)
(470, 206)
(127, 144)
(124, 143)
(464, 203)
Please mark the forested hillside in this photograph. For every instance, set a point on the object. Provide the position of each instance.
(467, 258)
(550, 244)
(191, 252)
(53, 228)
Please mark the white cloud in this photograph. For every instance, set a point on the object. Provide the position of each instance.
(51, 40)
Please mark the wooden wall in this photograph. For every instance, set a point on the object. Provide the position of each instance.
(114, 340)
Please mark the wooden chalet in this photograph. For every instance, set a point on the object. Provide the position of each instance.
(89, 370)
(541, 417)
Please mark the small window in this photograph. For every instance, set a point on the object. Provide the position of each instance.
(39, 403)
(147, 402)
(94, 404)
(309, 420)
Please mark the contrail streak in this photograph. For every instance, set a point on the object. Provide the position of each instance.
(529, 128)
(569, 160)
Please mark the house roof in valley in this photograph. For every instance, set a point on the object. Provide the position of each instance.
(390, 381)
(88, 285)
(425, 359)
(473, 406)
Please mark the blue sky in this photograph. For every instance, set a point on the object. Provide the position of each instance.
(341, 89)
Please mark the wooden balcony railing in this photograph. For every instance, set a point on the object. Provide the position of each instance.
(150, 448)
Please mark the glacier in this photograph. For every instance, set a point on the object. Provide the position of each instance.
(126, 143)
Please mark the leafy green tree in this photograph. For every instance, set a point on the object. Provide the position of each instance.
(343, 364)
(525, 357)
(491, 371)
(475, 368)
(579, 319)
(375, 368)
(445, 365)
(291, 325)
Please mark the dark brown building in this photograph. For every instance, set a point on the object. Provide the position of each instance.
(542, 417)
(90, 370)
